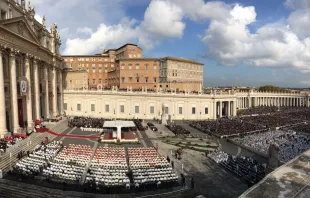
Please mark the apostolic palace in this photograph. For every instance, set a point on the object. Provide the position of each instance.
(119, 123)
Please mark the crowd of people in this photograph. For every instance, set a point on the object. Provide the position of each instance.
(177, 129)
(270, 121)
(291, 144)
(257, 111)
(9, 141)
(302, 128)
(225, 126)
(246, 168)
(107, 169)
(86, 122)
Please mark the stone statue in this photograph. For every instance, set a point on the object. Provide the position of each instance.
(273, 155)
(43, 22)
(29, 6)
(23, 4)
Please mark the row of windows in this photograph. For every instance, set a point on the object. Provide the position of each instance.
(137, 109)
(138, 79)
(94, 65)
(138, 67)
(89, 59)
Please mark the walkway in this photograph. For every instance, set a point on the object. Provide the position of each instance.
(88, 164)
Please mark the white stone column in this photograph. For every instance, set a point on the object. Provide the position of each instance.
(215, 110)
(229, 110)
(119, 133)
(46, 94)
(61, 92)
(221, 109)
(249, 102)
(36, 89)
(54, 89)
(3, 129)
(14, 105)
(29, 96)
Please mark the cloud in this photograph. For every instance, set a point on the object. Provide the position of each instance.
(230, 42)
(85, 30)
(112, 36)
(305, 83)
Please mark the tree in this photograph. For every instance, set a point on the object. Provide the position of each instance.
(271, 88)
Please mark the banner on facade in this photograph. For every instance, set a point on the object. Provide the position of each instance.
(23, 86)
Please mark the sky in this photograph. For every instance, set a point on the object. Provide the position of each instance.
(240, 42)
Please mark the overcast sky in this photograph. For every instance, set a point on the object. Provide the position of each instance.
(246, 42)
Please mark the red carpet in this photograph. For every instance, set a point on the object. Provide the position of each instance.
(42, 130)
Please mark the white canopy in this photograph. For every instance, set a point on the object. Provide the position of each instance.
(119, 123)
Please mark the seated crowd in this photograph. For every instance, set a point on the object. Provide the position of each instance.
(177, 129)
(224, 126)
(302, 128)
(291, 144)
(246, 168)
(149, 168)
(34, 162)
(86, 122)
(257, 110)
(270, 121)
(108, 167)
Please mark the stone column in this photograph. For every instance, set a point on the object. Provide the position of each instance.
(46, 105)
(54, 89)
(3, 129)
(29, 96)
(234, 109)
(229, 110)
(61, 92)
(215, 109)
(14, 105)
(249, 102)
(36, 89)
(221, 109)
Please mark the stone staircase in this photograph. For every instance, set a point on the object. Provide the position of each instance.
(9, 159)
(13, 189)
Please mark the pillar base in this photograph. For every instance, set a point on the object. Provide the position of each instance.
(4, 134)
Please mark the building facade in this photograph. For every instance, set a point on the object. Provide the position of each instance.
(30, 68)
(126, 68)
(75, 80)
(178, 106)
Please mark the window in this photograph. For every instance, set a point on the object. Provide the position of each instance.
(112, 65)
(78, 107)
(193, 110)
(180, 110)
(100, 65)
(136, 109)
(166, 110)
(152, 110)
(65, 106)
(87, 59)
(100, 81)
(105, 60)
(130, 79)
(93, 59)
(122, 109)
(129, 66)
(107, 108)
(137, 66)
(92, 107)
(146, 79)
(138, 79)
(100, 70)
(206, 110)
(105, 71)
(123, 67)
(166, 86)
(155, 79)
(146, 66)
(99, 59)
(155, 67)
(94, 71)
(94, 81)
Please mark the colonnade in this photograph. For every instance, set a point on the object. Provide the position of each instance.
(26, 96)
(286, 101)
(224, 108)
